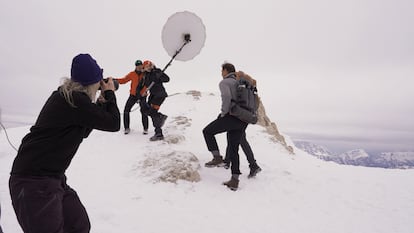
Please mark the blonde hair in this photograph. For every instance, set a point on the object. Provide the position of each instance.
(241, 74)
(69, 86)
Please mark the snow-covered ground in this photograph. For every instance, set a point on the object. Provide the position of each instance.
(119, 179)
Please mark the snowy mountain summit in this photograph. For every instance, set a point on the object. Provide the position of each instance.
(130, 184)
(353, 156)
(360, 157)
(175, 165)
(313, 149)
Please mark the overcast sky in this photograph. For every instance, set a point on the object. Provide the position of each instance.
(338, 72)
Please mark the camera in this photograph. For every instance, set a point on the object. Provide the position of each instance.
(116, 83)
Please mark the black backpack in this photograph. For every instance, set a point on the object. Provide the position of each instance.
(246, 103)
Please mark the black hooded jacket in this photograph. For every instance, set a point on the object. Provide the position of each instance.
(49, 147)
(157, 77)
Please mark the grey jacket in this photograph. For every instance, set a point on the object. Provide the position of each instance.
(228, 92)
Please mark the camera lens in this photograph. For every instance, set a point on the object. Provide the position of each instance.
(116, 83)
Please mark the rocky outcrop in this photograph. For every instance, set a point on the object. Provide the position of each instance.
(271, 128)
(171, 167)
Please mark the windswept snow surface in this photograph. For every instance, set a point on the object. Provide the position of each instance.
(117, 177)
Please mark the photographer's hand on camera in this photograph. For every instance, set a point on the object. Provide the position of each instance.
(107, 84)
(101, 99)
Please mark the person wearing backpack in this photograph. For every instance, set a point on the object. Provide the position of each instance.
(226, 122)
(254, 167)
(136, 79)
(153, 83)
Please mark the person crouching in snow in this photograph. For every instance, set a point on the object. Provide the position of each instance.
(41, 198)
(153, 83)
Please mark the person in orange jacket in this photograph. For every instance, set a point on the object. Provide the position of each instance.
(136, 79)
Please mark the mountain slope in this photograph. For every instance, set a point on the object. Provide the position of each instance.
(359, 157)
(121, 181)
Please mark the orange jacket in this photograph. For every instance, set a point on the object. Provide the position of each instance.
(134, 78)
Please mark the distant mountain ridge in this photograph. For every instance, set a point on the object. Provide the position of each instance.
(360, 157)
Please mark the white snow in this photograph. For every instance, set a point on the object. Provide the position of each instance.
(117, 177)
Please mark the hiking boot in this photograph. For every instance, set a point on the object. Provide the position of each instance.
(253, 171)
(232, 184)
(157, 137)
(226, 165)
(163, 118)
(145, 132)
(216, 162)
(127, 131)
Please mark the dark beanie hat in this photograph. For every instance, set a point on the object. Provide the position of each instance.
(85, 70)
(138, 62)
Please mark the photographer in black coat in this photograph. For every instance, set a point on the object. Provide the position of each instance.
(153, 83)
(41, 198)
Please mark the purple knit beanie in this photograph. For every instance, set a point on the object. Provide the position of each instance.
(85, 70)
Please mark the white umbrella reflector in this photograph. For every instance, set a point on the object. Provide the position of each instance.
(183, 28)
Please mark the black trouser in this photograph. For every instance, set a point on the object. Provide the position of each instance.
(1, 231)
(235, 129)
(154, 103)
(143, 107)
(246, 149)
(47, 205)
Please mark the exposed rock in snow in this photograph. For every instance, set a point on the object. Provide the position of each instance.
(271, 127)
(171, 167)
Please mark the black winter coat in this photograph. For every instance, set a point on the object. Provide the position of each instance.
(157, 77)
(49, 147)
